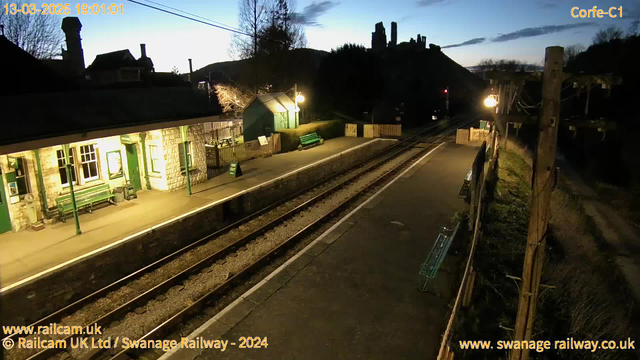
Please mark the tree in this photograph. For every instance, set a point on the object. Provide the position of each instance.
(39, 35)
(251, 20)
(232, 99)
(609, 34)
(634, 28)
(270, 28)
(571, 51)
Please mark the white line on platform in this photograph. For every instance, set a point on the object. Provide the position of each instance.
(242, 297)
(177, 218)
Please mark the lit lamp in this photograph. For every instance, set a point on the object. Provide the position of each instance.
(490, 101)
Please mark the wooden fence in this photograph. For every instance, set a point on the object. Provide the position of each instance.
(462, 136)
(377, 130)
(390, 130)
(221, 157)
(483, 170)
(466, 136)
(351, 130)
(371, 131)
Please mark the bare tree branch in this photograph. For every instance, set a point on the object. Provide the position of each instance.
(39, 35)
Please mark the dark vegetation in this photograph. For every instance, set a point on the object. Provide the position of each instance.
(612, 160)
(290, 138)
(589, 300)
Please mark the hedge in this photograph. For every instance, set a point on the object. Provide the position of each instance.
(290, 138)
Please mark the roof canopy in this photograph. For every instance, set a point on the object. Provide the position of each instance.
(78, 112)
(276, 102)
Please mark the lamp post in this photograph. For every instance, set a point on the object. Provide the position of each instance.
(65, 149)
(298, 98)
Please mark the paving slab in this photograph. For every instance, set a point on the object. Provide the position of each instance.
(359, 297)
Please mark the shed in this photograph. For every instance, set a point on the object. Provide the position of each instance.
(268, 113)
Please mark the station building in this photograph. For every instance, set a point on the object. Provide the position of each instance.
(126, 132)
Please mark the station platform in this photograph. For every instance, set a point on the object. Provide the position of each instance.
(28, 254)
(354, 293)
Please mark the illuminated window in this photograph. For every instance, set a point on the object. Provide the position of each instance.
(189, 152)
(154, 155)
(21, 176)
(62, 169)
(89, 162)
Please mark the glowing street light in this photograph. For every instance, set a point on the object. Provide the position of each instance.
(300, 98)
(490, 101)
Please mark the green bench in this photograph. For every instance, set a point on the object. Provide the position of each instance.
(429, 269)
(310, 140)
(85, 199)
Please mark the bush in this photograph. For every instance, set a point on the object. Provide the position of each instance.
(290, 138)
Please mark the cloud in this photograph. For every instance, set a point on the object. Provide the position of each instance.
(537, 31)
(468, 42)
(310, 13)
(423, 3)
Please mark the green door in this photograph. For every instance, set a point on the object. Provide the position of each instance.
(5, 220)
(134, 168)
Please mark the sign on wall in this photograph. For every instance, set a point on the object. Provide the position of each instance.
(114, 164)
(126, 139)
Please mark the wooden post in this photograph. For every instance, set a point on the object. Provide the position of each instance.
(468, 293)
(540, 197)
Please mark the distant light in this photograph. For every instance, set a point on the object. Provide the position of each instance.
(490, 102)
(300, 98)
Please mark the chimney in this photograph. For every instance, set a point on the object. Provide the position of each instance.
(394, 33)
(74, 56)
(143, 51)
(190, 70)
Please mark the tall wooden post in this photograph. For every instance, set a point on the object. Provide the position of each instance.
(540, 197)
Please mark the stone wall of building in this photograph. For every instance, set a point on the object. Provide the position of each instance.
(18, 211)
(171, 138)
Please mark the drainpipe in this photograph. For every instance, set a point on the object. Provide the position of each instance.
(143, 136)
(65, 148)
(183, 131)
(41, 188)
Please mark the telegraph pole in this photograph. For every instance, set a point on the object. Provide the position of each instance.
(542, 182)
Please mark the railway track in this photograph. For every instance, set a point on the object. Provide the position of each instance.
(276, 229)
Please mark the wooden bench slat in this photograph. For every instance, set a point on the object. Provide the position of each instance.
(84, 198)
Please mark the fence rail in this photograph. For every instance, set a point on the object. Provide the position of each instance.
(221, 157)
(483, 172)
(377, 130)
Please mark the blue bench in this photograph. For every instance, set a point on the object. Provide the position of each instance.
(429, 269)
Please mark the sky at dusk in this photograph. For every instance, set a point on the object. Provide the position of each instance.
(475, 29)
